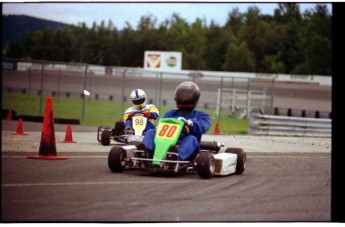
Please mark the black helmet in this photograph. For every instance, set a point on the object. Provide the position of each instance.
(187, 95)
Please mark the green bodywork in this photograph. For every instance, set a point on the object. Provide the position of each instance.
(167, 134)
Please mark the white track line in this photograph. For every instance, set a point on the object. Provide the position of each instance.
(99, 183)
(67, 156)
(105, 156)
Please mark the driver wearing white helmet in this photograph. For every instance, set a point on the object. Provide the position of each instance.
(139, 98)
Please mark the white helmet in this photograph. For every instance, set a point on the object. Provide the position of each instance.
(138, 97)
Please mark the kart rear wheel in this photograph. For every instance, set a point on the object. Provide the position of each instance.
(205, 165)
(105, 137)
(117, 159)
(241, 159)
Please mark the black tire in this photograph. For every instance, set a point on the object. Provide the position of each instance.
(205, 165)
(241, 159)
(117, 159)
(105, 137)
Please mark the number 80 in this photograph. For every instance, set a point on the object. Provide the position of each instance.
(167, 131)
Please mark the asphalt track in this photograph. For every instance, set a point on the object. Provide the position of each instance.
(288, 179)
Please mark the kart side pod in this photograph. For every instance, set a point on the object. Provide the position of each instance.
(233, 160)
(225, 164)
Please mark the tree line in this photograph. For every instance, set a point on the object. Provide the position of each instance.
(287, 42)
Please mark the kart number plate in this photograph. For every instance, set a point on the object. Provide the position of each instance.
(139, 124)
(168, 131)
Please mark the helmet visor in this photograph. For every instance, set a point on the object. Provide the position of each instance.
(138, 101)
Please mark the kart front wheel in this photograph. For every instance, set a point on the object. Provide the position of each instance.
(105, 137)
(117, 159)
(205, 165)
(241, 159)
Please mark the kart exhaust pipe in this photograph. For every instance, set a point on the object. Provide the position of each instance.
(211, 145)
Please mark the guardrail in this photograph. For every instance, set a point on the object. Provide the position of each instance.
(260, 124)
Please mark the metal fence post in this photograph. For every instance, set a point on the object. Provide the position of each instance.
(58, 93)
(83, 110)
(89, 88)
(220, 98)
(272, 96)
(30, 71)
(123, 91)
(41, 98)
(157, 89)
(248, 102)
(233, 100)
(160, 91)
(218, 102)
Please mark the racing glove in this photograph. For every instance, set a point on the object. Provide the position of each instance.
(147, 114)
(187, 122)
(129, 117)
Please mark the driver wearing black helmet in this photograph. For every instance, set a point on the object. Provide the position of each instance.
(187, 95)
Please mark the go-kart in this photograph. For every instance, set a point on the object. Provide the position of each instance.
(207, 163)
(107, 134)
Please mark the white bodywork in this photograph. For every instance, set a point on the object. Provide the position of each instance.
(225, 164)
(139, 123)
(129, 150)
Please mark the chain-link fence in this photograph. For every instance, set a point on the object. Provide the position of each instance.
(236, 95)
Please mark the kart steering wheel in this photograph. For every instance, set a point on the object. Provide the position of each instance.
(137, 112)
(185, 126)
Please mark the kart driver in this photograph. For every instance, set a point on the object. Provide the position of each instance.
(138, 97)
(186, 97)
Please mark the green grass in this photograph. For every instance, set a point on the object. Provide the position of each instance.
(103, 112)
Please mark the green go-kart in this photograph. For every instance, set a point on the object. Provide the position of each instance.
(209, 162)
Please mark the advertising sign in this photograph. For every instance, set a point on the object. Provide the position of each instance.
(163, 61)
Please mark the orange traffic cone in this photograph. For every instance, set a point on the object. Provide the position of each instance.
(47, 150)
(9, 115)
(68, 136)
(20, 130)
(217, 129)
